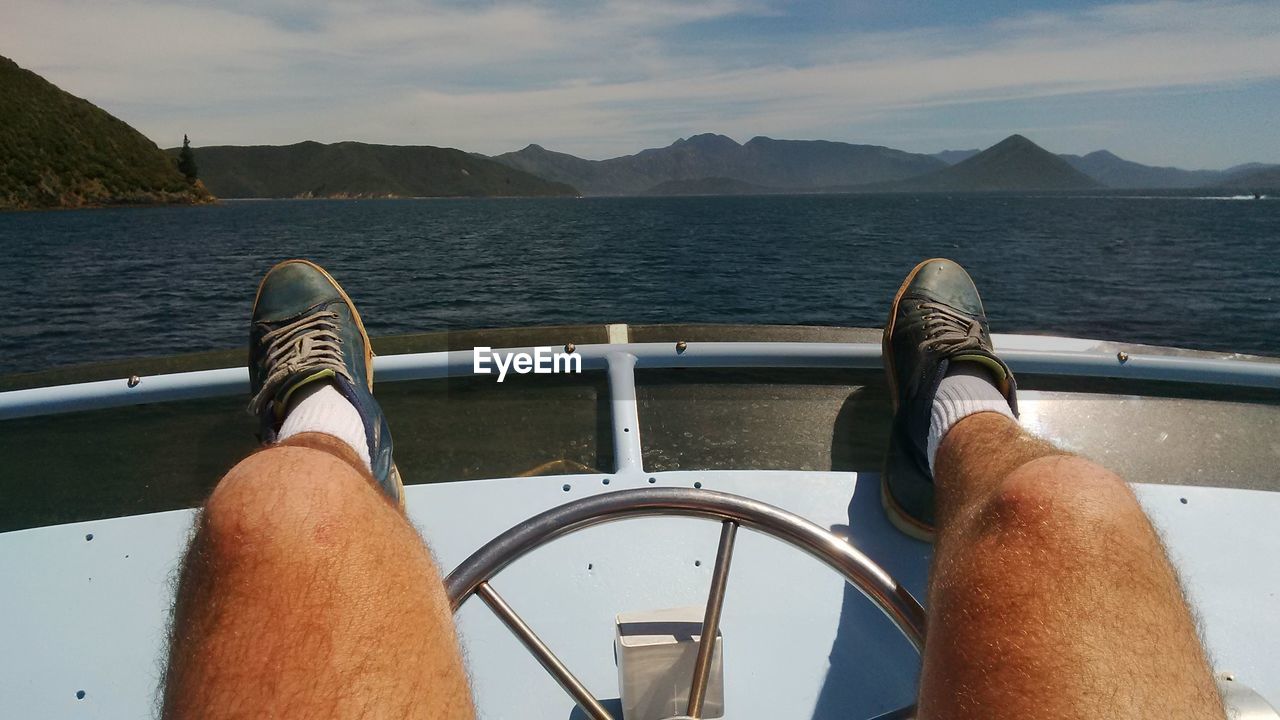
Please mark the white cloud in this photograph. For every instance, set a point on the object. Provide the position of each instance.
(592, 78)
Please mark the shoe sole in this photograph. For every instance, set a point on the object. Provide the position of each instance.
(368, 344)
(897, 516)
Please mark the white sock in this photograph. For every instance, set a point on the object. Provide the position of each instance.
(319, 407)
(967, 389)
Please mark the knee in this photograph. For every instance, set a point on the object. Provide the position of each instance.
(287, 499)
(1063, 498)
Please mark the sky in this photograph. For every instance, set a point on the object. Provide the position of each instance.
(1192, 84)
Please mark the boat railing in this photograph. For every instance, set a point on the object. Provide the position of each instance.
(621, 361)
(1239, 372)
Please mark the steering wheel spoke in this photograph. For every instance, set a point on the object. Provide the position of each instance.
(542, 653)
(711, 619)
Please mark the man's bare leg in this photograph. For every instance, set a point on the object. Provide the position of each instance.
(1050, 594)
(307, 593)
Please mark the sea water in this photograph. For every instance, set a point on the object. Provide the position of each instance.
(1184, 270)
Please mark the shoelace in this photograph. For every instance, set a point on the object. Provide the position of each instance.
(948, 330)
(309, 342)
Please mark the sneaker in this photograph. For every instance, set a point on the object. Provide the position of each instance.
(936, 319)
(305, 329)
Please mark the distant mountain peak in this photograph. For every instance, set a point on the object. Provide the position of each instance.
(1015, 140)
(708, 141)
(1114, 171)
(1013, 164)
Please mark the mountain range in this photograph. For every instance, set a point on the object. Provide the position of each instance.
(714, 164)
(1254, 178)
(352, 169)
(707, 164)
(1112, 171)
(57, 150)
(785, 165)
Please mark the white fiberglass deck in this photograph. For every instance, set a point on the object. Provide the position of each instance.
(89, 615)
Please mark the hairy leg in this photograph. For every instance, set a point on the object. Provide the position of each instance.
(1050, 594)
(306, 593)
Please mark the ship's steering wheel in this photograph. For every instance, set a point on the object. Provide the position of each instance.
(473, 575)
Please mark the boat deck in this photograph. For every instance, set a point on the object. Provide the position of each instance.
(90, 615)
(799, 422)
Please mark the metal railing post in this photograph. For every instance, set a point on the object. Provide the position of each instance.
(625, 416)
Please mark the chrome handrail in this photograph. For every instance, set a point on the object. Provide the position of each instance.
(458, 363)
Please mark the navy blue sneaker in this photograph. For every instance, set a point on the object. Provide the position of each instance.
(305, 329)
(936, 320)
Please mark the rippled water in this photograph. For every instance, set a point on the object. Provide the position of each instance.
(80, 286)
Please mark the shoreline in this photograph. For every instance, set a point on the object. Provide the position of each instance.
(148, 199)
